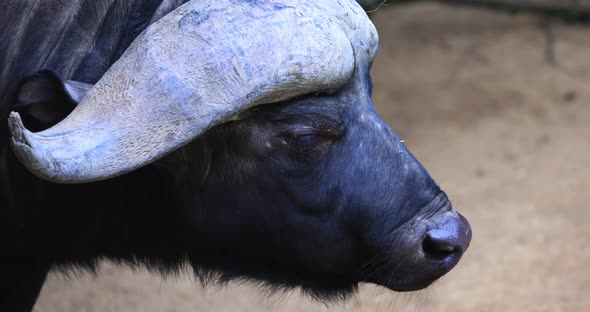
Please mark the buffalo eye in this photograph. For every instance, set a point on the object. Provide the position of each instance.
(306, 143)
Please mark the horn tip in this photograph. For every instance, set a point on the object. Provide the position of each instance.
(17, 128)
(22, 146)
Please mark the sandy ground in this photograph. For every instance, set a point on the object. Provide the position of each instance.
(506, 133)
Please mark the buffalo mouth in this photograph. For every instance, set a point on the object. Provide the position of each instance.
(422, 250)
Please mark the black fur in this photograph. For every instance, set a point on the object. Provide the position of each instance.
(303, 193)
(77, 39)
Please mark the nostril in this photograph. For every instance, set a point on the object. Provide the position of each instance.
(449, 237)
(439, 249)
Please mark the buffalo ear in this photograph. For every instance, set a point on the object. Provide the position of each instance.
(45, 98)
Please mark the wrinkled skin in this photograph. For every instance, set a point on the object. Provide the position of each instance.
(316, 192)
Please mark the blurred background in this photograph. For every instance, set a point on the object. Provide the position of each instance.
(496, 105)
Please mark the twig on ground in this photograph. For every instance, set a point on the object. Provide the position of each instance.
(382, 4)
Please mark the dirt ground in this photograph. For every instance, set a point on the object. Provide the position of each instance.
(503, 130)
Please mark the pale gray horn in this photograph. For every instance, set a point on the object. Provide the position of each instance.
(193, 69)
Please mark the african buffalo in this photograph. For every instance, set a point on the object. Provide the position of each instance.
(237, 136)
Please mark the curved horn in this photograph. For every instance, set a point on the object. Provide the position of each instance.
(193, 69)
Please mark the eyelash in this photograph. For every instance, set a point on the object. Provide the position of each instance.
(306, 143)
(321, 131)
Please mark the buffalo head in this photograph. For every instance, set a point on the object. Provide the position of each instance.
(261, 111)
